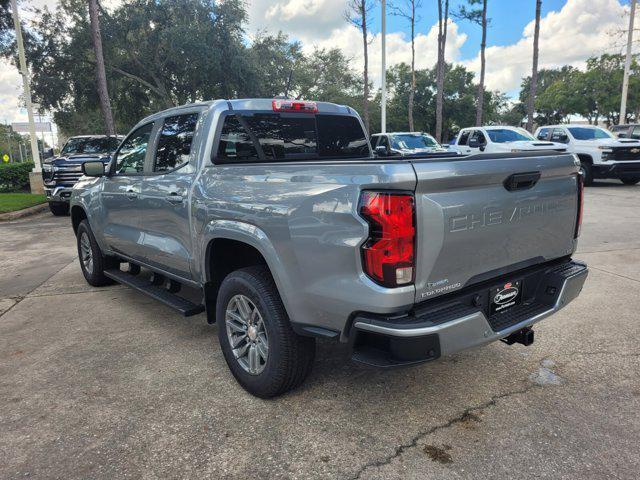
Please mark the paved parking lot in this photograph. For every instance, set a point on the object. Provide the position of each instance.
(105, 383)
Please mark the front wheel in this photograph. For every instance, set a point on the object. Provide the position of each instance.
(59, 209)
(587, 173)
(262, 351)
(92, 262)
(630, 180)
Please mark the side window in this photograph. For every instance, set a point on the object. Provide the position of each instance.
(635, 133)
(543, 133)
(559, 135)
(464, 137)
(174, 144)
(235, 142)
(130, 157)
(477, 134)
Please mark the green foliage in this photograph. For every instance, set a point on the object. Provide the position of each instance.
(14, 177)
(459, 100)
(594, 93)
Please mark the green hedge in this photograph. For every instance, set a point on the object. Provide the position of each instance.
(14, 177)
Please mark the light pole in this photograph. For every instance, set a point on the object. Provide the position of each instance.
(24, 71)
(383, 101)
(627, 66)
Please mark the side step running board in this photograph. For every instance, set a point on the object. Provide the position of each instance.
(184, 306)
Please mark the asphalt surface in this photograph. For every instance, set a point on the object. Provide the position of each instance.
(106, 383)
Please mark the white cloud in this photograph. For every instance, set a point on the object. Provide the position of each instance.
(349, 39)
(582, 28)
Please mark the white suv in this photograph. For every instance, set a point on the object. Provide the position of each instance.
(500, 139)
(601, 154)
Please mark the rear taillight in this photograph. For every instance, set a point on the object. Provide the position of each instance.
(388, 255)
(580, 205)
(295, 106)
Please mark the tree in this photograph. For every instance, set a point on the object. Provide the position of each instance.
(356, 14)
(101, 76)
(443, 20)
(534, 71)
(407, 10)
(479, 17)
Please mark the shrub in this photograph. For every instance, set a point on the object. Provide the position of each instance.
(14, 177)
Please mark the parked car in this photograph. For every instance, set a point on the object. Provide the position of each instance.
(500, 139)
(278, 214)
(601, 154)
(60, 174)
(403, 144)
(630, 130)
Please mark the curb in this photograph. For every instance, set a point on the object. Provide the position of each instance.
(25, 212)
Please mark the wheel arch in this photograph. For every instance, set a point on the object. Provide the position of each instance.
(77, 215)
(231, 245)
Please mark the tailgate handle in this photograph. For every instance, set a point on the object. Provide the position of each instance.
(521, 181)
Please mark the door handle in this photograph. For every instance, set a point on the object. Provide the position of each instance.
(521, 181)
(174, 198)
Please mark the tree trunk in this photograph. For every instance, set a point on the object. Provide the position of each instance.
(365, 98)
(101, 76)
(483, 45)
(442, 42)
(534, 72)
(412, 92)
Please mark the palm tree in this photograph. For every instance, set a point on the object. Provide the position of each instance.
(534, 72)
(356, 14)
(101, 76)
(443, 19)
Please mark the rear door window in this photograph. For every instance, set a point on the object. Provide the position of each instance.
(543, 133)
(268, 136)
(174, 144)
(635, 133)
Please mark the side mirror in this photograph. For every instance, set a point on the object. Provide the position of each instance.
(381, 151)
(93, 169)
(473, 143)
(622, 135)
(564, 138)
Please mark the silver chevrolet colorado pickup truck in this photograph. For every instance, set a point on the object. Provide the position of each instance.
(278, 217)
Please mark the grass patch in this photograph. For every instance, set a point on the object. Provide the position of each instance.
(10, 202)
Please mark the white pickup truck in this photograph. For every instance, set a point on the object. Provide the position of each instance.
(500, 139)
(601, 154)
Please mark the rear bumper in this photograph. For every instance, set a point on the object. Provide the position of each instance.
(58, 194)
(463, 320)
(617, 170)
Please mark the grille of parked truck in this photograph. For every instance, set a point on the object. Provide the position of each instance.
(61, 173)
(274, 218)
(601, 154)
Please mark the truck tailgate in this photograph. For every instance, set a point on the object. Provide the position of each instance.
(471, 227)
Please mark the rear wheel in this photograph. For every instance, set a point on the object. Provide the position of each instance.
(630, 180)
(264, 354)
(59, 209)
(92, 262)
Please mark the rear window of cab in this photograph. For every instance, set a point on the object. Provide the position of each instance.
(270, 136)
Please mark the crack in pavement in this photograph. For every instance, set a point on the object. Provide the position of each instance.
(614, 274)
(413, 443)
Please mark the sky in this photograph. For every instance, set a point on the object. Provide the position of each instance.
(571, 31)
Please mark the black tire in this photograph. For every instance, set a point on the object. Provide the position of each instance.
(587, 173)
(630, 180)
(93, 272)
(59, 209)
(290, 356)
